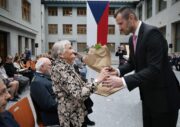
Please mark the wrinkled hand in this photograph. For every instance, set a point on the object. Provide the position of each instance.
(113, 82)
(102, 76)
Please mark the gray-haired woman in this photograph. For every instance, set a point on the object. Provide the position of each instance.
(70, 89)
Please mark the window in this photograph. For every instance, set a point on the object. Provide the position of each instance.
(53, 28)
(161, 5)
(81, 11)
(81, 47)
(81, 29)
(174, 1)
(52, 11)
(163, 31)
(50, 45)
(140, 12)
(111, 46)
(26, 10)
(67, 29)
(149, 9)
(111, 11)
(19, 44)
(26, 43)
(111, 29)
(33, 46)
(177, 37)
(67, 11)
(3, 4)
(3, 44)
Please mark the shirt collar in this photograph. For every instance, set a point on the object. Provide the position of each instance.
(137, 29)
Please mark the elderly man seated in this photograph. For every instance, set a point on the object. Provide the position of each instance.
(42, 93)
(6, 118)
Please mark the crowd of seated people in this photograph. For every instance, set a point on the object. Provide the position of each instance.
(16, 73)
(10, 83)
(174, 60)
(42, 93)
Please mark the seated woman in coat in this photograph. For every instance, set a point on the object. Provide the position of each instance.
(70, 89)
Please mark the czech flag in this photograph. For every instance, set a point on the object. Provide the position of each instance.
(97, 22)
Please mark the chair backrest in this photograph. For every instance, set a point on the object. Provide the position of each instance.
(22, 113)
(37, 112)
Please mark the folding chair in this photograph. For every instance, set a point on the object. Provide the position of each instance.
(22, 113)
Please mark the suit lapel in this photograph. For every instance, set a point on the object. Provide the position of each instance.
(139, 39)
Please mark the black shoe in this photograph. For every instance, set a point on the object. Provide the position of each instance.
(89, 122)
(17, 97)
(14, 99)
(84, 125)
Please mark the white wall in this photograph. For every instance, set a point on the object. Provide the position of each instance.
(166, 17)
(11, 22)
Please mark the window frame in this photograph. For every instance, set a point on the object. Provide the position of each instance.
(81, 11)
(52, 11)
(111, 29)
(67, 11)
(68, 30)
(26, 10)
(52, 28)
(81, 29)
(149, 9)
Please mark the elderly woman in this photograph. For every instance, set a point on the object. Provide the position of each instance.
(70, 89)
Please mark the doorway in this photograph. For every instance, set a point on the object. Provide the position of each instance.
(3, 45)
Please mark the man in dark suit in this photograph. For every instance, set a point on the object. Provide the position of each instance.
(42, 93)
(158, 85)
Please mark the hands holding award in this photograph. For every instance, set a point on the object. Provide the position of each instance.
(109, 82)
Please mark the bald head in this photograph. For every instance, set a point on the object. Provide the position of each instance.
(43, 65)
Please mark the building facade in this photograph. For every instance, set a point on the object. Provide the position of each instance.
(66, 19)
(20, 27)
(37, 24)
(165, 14)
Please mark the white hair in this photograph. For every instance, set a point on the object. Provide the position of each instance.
(41, 61)
(58, 48)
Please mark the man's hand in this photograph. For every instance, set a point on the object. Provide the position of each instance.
(102, 76)
(113, 82)
(109, 71)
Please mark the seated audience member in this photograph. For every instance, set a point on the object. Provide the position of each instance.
(42, 93)
(30, 64)
(11, 71)
(9, 82)
(6, 118)
(9, 67)
(21, 69)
